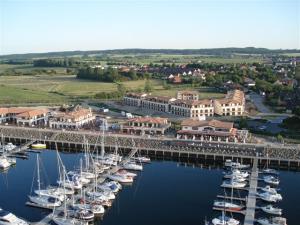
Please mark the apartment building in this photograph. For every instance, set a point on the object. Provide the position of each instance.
(232, 105)
(187, 95)
(134, 99)
(192, 108)
(157, 103)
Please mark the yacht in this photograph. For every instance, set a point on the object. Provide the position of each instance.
(233, 184)
(67, 221)
(97, 209)
(107, 194)
(235, 165)
(224, 220)
(228, 205)
(82, 214)
(110, 186)
(45, 201)
(68, 184)
(142, 159)
(4, 163)
(271, 180)
(51, 192)
(7, 218)
(272, 221)
(9, 147)
(132, 166)
(270, 197)
(272, 210)
(269, 189)
(120, 178)
(126, 173)
(270, 171)
(236, 173)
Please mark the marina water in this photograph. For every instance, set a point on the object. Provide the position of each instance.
(165, 193)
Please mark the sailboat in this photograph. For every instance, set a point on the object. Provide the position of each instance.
(224, 220)
(271, 180)
(272, 221)
(4, 162)
(44, 201)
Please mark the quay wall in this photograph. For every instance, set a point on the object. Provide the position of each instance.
(285, 156)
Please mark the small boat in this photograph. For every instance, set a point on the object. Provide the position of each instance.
(270, 171)
(269, 189)
(224, 220)
(7, 218)
(228, 205)
(272, 221)
(38, 146)
(107, 194)
(120, 178)
(235, 165)
(8, 147)
(12, 160)
(4, 163)
(233, 184)
(68, 184)
(271, 180)
(132, 166)
(142, 159)
(238, 179)
(272, 210)
(270, 197)
(110, 186)
(61, 220)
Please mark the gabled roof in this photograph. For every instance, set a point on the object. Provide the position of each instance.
(211, 123)
(157, 120)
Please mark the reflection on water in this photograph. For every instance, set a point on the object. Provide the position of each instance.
(165, 193)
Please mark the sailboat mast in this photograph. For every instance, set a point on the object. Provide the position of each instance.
(102, 139)
(38, 172)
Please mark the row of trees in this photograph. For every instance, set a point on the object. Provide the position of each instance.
(66, 62)
(109, 74)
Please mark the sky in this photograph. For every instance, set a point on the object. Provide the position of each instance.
(28, 26)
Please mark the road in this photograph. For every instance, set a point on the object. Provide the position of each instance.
(258, 101)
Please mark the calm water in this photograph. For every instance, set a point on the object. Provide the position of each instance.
(165, 193)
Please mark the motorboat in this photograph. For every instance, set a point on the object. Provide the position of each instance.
(70, 184)
(272, 210)
(270, 171)
(238, 179)
(269, 189)
(8, 147)
(228, 205)
(45, 201)
(233, 184)
(271, 180)
(7, 218)
(126, 173)
(132, 166)
(4, 163)
(236, 173)
(270, 197)
(120, 178)
(38, 146)
(235, 165)
(51, 192)
(142, 159)
(12, 160)
(272, 221)
(224, 220)
(98, 201)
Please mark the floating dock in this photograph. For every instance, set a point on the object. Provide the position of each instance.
(251, 199)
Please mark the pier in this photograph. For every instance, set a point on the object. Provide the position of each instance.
(251, 199)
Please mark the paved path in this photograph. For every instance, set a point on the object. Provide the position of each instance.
(258, 101)
(251, 200)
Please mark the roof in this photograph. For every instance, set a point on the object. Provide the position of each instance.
(78, 112)
(211, 123)
(14, 110)
(159, 98)
(135, 95)
(189, 103)
(158, 120)
(235, 96)
(32, 113)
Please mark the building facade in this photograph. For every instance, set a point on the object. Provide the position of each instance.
(187, 95)
(157, 103)
(75, 119)
(134, 99)
(192, 108)
(232, 105)
(146, 125)
(211, 130)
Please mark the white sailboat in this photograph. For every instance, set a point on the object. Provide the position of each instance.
(4, 163)
(224, 220)
(7, 218)
(132, 166)
(233, 184)
(44, 201)
(113, 186)
(120, 178)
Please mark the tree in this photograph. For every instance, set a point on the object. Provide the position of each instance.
(121, 89)
(148, 86)
(280, 138)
